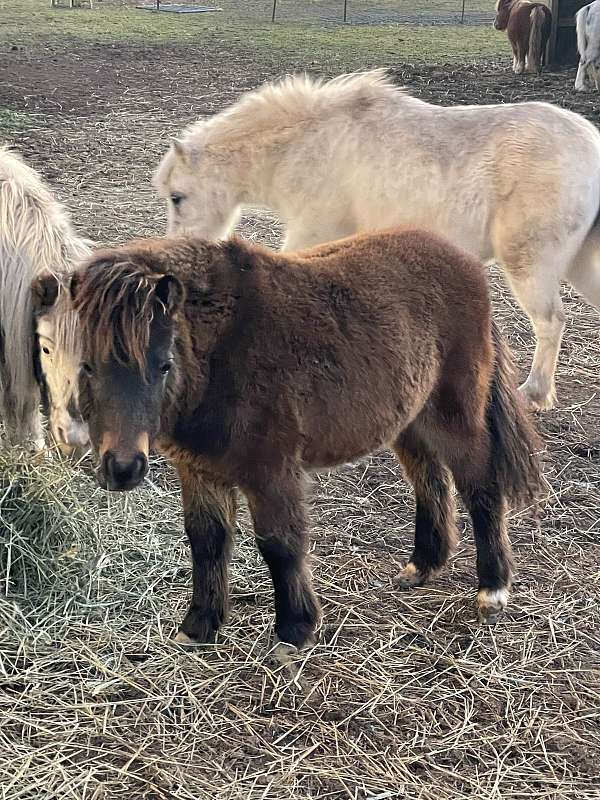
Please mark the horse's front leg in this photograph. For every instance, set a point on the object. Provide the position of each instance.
(209, 509)
(280, 527)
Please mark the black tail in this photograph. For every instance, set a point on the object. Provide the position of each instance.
(514, 439)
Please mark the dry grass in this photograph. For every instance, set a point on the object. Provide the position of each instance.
(405, 696)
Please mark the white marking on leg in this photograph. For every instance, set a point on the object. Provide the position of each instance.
(494, 598)
(491, 604)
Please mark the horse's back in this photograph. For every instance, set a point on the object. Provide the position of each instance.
(521, 14)
(458, 165)
(400, 258)
(384, 317)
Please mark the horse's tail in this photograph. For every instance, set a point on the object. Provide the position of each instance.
(537, 21)
(514, 440)
(580, 26)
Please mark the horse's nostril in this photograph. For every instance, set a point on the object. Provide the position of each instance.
(124, 474)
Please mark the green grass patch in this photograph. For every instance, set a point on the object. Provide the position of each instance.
(12, 122)
(350, 46)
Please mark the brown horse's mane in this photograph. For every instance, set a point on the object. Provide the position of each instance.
(116, 302)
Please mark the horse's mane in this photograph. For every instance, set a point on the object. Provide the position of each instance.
(115, 301)
(295, 99)
(36, 236)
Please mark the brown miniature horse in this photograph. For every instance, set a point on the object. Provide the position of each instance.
(248, 368)
(528, 26)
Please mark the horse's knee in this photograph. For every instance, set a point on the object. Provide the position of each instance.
(285, 551)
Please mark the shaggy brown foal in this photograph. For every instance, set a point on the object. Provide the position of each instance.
(248, 368)
(528, 26)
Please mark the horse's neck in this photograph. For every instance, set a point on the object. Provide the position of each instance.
(209, 308)
(252, 166)
(504, 12)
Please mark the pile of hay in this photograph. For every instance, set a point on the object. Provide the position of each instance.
(404, 696)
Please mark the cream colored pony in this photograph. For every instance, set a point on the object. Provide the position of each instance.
(517, 183)
(36, 236)
(587, 24)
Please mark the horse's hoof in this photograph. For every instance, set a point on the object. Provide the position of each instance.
(188, 641)
(409, 577)
(183, 638)
(491, 604)
(297, 637)
(284, 651)
(542, 401)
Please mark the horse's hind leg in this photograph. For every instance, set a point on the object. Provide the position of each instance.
(580, 80)
(519, 58)
(487, 508)
(280, 527)
(494, 563)
(435, 528)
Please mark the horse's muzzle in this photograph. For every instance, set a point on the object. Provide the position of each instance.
(118, 474)
(72, 438)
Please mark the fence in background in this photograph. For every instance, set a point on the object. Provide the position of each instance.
(363, 12)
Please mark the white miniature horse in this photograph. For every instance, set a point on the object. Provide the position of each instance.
(588, 45)
(36, 236)
(518, 183)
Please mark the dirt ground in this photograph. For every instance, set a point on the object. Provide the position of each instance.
(405, 696)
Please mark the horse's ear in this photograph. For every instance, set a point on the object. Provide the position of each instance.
(169, 290)
(44, 291)
(180, 150)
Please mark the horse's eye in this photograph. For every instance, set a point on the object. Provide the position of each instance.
(86, 368)
(166, 367)
(176, 198)
(46, 350)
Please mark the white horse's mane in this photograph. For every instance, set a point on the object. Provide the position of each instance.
(295, 99)
(35, 236)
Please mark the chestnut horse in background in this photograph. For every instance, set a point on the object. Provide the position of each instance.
(528, 26)
(249, 368)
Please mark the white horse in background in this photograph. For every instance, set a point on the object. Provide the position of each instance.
(36, 237)
(587, 23)
(517, 183)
